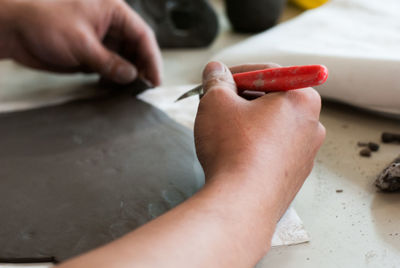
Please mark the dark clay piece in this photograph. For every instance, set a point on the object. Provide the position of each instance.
(77, 176)
(254, 15)
(390, 137)
(374, 147)
(389, 179)
(366, 152)
(179, 23)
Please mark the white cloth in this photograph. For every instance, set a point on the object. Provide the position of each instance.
(358, 40)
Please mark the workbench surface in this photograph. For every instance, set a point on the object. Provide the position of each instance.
(358, 227)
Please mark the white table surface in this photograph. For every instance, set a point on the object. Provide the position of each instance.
(356, 228)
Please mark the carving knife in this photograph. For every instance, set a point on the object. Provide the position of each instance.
(274, 79)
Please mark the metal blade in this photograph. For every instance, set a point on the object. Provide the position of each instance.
(195, 91)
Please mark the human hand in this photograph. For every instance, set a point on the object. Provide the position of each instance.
(270, 142)
(256, 155)
(102, 36)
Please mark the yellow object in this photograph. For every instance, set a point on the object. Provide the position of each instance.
(309, 4)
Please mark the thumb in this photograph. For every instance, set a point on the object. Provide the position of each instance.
(217, 75)
(108, 64)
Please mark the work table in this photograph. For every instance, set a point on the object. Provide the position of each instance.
(351, 224)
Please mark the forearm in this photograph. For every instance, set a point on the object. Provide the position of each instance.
(8, 22)
(227, 224)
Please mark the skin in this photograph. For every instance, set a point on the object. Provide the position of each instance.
(255, 154)
(102, 36)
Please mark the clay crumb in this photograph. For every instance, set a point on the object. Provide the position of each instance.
(389, 179)
(366, 152)
(374, 147)
(339, 191)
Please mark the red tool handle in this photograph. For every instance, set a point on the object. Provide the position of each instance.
(282, 79)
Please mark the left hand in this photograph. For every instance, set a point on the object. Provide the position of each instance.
(102, 36)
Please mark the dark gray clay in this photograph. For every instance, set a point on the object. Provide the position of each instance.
(77, 176)
(179, 23)
(254, 15)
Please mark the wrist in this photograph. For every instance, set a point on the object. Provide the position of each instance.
(244, 209)
(8, 23)
(251, 190)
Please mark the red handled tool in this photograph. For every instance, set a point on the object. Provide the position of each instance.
(275, 79)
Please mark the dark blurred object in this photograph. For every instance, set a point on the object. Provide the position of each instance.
(254, 15)
(179, 23)
(389, 179)
(136, 87)
(390, 137)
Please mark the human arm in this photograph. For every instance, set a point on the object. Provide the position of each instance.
(256, 155)
(102, 36)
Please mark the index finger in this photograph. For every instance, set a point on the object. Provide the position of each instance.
(141, 42)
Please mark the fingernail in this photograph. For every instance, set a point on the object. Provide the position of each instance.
(214, 69)
(146, 82)
(125, 74)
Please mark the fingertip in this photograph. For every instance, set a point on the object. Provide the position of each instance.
(124, 74)
(157, 82)
(214, 68)
(154, 67)
(156, 78)
(217, 75)
(152, 77)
